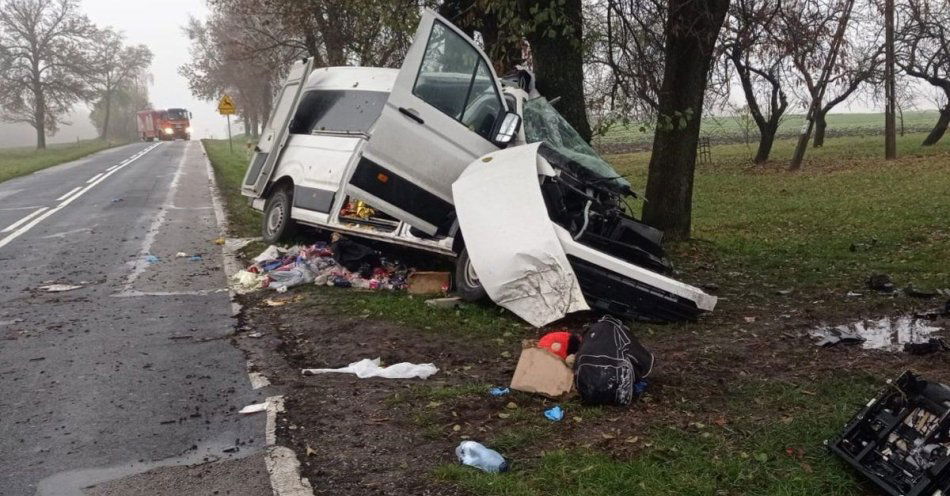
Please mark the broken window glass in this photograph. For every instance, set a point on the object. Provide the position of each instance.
(543, 123)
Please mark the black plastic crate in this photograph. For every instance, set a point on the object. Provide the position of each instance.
(901, 439)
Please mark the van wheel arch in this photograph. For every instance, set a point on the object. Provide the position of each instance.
(277, 223)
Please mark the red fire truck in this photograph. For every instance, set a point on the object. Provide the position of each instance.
(164, 125)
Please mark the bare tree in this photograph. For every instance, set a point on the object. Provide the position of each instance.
(692, 28)
(126, 100)
(760, 60)
(232, 55)
(44, 58)
(632, 35)
(923, 50)
(113, 65)
(807, 30)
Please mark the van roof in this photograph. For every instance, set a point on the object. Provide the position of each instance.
(355, 78)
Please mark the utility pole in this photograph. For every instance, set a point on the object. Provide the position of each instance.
(890, 128)
(805, 135)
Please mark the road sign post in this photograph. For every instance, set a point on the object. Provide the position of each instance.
(226, 108)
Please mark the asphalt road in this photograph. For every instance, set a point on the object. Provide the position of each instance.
(133, 370)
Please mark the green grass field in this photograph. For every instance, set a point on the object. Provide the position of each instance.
(15, 162)
(756, 229)
(727, 129)
(764, 220)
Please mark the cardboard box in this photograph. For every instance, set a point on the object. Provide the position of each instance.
(429, 282)
(542, 372)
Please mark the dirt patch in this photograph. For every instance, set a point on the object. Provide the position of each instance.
(358, 436)
(378, 436)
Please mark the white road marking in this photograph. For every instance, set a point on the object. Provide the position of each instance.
(284, 470)
(69, 193)
(111, 168)
(93, 178)
(145, 248)
(281, 462)
(15, 234)
(24, 220)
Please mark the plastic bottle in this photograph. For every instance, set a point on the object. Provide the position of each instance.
(476, 455)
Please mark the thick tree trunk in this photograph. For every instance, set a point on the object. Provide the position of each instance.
(559, 65)
(940, 128)
(692, 29)
(820, 125)
(39, 117)
(766, 139)
(105, 118)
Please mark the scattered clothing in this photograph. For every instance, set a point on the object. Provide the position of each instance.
(344, 264)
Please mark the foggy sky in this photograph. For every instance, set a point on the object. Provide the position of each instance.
(158, 25)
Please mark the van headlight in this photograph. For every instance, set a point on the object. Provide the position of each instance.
(169, 130)
(188, 129)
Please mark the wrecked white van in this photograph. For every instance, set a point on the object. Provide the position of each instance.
(444, 156)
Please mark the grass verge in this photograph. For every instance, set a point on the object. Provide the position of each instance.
(229, 168)
(16, 162)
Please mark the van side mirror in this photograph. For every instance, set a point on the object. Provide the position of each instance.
(506, 129)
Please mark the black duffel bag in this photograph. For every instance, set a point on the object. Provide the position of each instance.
(609, 362)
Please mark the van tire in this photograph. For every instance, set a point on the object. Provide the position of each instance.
(277, 225)
(466, 281)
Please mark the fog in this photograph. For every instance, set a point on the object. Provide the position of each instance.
(158, 25)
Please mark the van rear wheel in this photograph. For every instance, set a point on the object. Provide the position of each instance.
(277, 224)
(467, 284)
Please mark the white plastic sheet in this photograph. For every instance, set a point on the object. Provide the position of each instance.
(371, 368)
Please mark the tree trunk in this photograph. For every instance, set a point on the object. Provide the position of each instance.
(559, 65)
(940, 128)
(39, 117)
(820, 125)
(105, 118)
(692, 29)
(766, 139)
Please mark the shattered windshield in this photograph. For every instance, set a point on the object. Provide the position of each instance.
(543, 123)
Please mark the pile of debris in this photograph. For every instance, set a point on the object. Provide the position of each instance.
(342, 263)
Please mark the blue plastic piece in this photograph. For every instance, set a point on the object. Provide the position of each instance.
(499, 391)
(640, 387)
(554, 414)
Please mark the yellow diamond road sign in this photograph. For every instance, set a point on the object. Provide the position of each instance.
(226, 106)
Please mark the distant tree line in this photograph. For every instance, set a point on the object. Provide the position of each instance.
(52, 57)
(656, 64)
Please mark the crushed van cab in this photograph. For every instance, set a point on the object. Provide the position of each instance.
(443, 155)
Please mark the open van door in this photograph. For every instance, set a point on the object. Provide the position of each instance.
(445, 110)
(275, 132)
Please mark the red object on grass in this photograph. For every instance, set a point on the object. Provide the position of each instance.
(556, 342)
